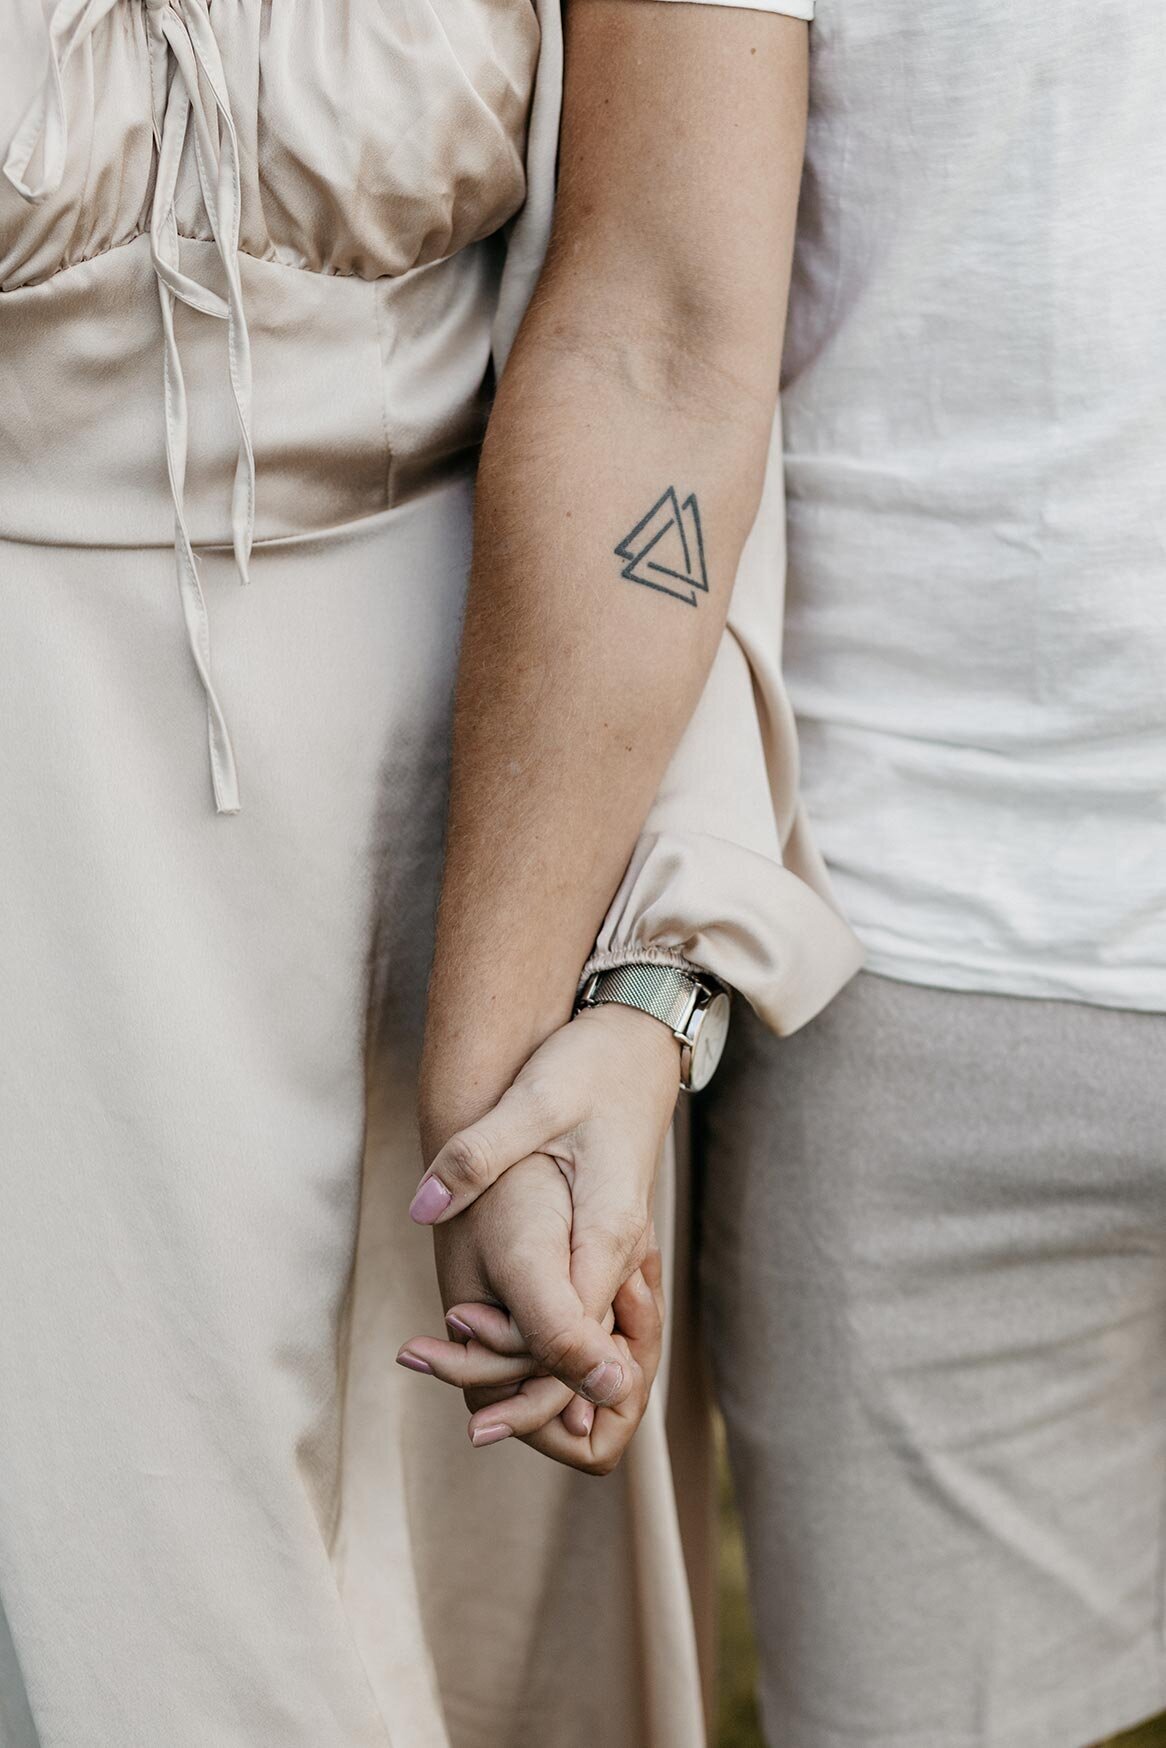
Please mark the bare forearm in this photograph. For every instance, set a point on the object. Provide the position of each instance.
(580, 664)
(620, 476)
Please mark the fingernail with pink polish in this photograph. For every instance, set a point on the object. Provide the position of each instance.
(414, 1363)
(488, 1435)
(431, 1200)
(460, 1325)
(603, 1382)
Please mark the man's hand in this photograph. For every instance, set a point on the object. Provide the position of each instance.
(513, 1247)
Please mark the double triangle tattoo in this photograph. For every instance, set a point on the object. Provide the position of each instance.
(671, 534)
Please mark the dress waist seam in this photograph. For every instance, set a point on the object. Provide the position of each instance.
(270, 259)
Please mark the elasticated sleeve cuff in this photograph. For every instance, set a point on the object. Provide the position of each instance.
(705, 904)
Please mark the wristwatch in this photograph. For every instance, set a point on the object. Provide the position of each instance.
(694, 1007)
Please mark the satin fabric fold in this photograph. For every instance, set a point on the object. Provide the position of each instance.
(486, 77)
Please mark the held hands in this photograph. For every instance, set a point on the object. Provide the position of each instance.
(563, 1242)
(514, 1246)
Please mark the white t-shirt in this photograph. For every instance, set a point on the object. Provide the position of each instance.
(975, 419)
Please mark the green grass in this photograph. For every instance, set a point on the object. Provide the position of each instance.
(1151, 1735)
(737, 1722)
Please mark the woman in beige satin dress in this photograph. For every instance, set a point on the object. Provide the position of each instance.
(257, 265)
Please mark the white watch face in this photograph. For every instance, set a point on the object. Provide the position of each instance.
(710, 1041)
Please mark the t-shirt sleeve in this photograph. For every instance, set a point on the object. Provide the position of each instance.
(789, 8)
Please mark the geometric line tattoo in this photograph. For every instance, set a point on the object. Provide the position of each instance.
(667, 542)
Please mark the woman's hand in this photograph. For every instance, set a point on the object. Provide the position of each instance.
(515, 1246)
(597, 1098)
(563, 1241)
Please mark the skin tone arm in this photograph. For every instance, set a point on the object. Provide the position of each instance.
(637, 404)
(620, 477)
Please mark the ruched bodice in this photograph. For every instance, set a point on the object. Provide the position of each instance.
(206, 141)
(372, 138)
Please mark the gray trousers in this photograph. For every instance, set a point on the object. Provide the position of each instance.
(933, 1236)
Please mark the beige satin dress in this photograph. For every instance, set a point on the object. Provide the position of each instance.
(257, 262)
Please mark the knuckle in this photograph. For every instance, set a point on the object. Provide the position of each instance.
(635, 1257)
(623, 1236)
(607, 1240)
(554, 1348)
(541, 1095)
(605, 1465)
(467, 1160)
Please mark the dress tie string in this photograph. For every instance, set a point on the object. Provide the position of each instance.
(45, 122)
(188, 85)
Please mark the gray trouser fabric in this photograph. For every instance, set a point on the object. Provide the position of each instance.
(934, 1228)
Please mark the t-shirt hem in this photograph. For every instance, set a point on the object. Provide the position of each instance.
(1135, 995)
(788, 8)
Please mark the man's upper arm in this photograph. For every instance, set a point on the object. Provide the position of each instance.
(680, 163)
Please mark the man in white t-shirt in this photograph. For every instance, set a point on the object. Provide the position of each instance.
(936, 1218)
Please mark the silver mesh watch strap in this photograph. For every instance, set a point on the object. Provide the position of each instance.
(665, 991)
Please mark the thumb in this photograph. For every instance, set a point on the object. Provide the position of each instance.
(558, 1331)
(605, 1247)
(523, 1121)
